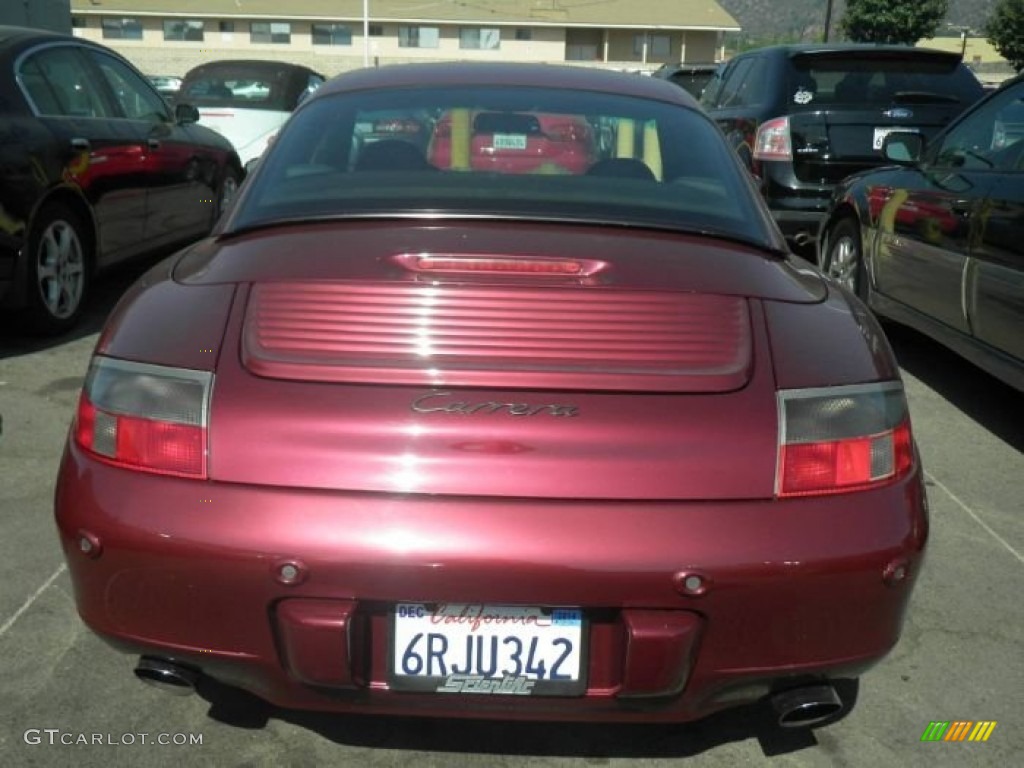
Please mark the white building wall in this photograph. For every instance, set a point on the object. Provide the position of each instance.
(154, 55)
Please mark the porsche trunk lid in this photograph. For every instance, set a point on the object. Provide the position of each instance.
(644, 375)
(477, 335)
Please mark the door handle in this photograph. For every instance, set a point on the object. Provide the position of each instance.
(80, 145)
(962, 208)
(153, 143)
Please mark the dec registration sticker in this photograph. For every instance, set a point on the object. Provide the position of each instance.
(487, 649)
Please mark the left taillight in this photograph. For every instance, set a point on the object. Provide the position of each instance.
(841, 439)
(146, 417)
(773, 141)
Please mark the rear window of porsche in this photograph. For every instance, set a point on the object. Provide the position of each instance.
(504, 151)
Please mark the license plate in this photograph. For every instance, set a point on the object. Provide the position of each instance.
(509, 141)
(881, 133)
(487, 649)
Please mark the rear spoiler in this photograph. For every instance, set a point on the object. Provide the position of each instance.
(882, 53)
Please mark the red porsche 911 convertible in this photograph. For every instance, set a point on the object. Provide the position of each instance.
(492, 440)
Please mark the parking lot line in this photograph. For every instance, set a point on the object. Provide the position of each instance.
(973, 514)
(32, 598)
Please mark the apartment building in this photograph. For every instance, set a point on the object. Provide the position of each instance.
(331, 36)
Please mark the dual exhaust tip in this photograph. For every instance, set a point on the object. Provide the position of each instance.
(795, 708)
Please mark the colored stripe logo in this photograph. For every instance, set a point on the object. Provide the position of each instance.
(958, 730)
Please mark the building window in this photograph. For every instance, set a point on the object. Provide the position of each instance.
(524, 33)
(418, 37)
(183, 30)
(376, 30)
(79, 22)
(122, 29)
(332, 34)
(657, 45)
(270, 32)
(581, 52)
(226, 27)
(482, 38)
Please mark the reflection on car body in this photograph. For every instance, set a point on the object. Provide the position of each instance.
(448, 432)
(936, 244)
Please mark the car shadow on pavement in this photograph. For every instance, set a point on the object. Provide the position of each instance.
(107, 290)
(593, 741)
(988, 401)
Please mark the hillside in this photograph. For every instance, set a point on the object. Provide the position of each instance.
(793, 20)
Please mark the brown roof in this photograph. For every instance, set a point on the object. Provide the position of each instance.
(645, 14)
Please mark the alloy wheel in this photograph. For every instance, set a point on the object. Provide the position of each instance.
(60, 269)
(844, 261)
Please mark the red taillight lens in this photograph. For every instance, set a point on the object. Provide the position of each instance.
(772, 141)
(145, 417)
(842, 439)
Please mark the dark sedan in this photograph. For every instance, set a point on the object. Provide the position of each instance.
(442, 436)
(95, 168)
(937, 242)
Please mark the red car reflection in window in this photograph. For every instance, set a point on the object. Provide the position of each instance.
(517, 142)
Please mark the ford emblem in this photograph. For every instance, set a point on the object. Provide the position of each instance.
(898, 112)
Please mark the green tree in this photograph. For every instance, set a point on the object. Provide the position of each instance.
(1005, 30)
(892, 21)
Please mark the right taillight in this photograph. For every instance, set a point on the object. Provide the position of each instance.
(772, 141)
(840, 439)
(145, 417)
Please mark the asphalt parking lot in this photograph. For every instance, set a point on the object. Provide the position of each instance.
(70, 700)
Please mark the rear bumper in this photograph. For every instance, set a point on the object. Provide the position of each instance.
(798, 207)
(190, 571)
(801, 226)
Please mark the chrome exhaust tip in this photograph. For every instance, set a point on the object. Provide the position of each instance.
(166, 675)
(803, 707)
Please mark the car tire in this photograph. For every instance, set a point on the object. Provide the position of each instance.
(230, 181)
(58, 270)
(844, 259)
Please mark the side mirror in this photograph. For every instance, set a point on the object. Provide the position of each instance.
(185, 113)
(903, 147)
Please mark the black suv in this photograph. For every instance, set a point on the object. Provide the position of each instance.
(804, 117)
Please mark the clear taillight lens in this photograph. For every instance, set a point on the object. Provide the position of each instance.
(146, 417)
(772, 141)
(839, 439)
